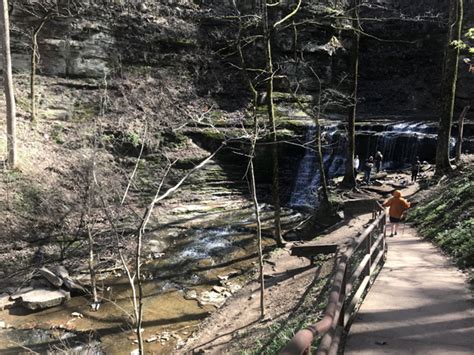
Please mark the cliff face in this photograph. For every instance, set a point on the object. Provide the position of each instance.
(400, 58)
(100, 36)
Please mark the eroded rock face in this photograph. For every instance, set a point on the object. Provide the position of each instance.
(43, 298)
(396, 74)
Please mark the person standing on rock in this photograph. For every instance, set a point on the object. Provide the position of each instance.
(356, 165)
(369, 164)
(378, 161)
(397, 207)
(415, 169)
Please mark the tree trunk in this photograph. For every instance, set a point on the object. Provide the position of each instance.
(448, 91)
(271, 117)
(34, 64)
(8, 85)
(259, 233)
(319, 155)
(253, 188)
(251, 171)
(33, 77)
(349, 178)
(460, 132)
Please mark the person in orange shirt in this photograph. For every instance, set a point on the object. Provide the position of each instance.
(397, 206)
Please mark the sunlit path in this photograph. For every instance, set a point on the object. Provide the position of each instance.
(419, 304)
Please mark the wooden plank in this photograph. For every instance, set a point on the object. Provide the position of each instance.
(357, 273)
(355, 300)
(313, 250)
(336, 341)
(377, 261)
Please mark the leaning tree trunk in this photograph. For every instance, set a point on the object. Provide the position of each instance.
(448, 92)
(8, 85)
(349, 178)
(271, 117)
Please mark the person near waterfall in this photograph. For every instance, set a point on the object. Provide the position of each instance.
(415, 168)
(369, 164)
(397, 208)
(378, 160)
(356, 165)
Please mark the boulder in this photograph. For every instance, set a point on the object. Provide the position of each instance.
(73, 286)
(212, 298)
(51, 277)
(5, 301)
(60, 271)
(43, 298)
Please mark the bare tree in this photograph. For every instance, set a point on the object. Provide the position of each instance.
(33, 65)
(268, 31)
(251, 167)
(315, 114)
(448, 92)
(8, 85)
(43, 11)
(349, 178)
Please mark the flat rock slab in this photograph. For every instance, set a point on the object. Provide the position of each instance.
(359, 206)
(383, 190)
(43, 298)
(419, 304)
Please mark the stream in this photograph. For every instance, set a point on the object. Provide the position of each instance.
(191, 268)
(200, 256)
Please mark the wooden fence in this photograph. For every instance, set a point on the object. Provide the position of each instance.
(354, 274)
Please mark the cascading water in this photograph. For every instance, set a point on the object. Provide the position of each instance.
(303, 194)
(308, 178)
(399, 143)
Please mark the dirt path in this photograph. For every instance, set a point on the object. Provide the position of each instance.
(419, 304)
(287, 279)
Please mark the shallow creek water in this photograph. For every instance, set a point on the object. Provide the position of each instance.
(184, 263)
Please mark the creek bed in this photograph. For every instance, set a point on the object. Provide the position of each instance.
(200, 266)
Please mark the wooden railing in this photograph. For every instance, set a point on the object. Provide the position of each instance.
(355, 267)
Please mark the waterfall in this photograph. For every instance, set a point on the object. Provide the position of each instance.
(399, 143)
(308, 177)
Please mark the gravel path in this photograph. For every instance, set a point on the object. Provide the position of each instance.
(419, 304)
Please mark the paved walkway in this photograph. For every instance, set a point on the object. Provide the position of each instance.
(419, 304)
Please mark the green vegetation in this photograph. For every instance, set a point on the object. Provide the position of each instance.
(57, 133)
(133, 138)
(308, 312)
(85, 111)
(446, 218)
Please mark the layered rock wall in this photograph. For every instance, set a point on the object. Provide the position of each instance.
(400, 59)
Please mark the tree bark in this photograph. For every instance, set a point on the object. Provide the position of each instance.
(8, 85)
(319, 155)
(271, 116)
(448, 92)
(251, 172)
(349, 178)
(34, 64)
